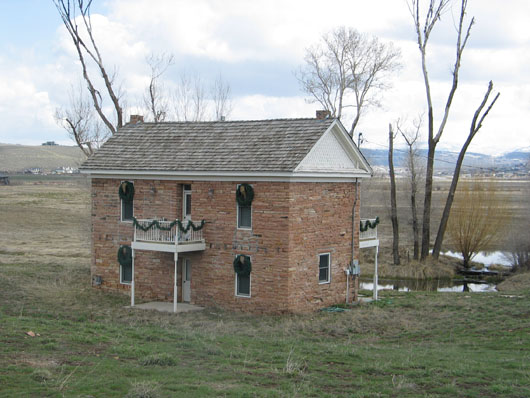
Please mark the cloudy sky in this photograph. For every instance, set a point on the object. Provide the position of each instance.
(257, 45)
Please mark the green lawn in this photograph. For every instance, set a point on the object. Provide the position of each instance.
(87, 344)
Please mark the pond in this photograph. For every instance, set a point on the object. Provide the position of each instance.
(431, 285)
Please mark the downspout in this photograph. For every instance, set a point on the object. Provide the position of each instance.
(352, 243)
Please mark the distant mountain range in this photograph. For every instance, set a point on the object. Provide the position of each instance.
(17, 158)
(445, 160)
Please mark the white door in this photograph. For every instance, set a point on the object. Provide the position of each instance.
(186, 280)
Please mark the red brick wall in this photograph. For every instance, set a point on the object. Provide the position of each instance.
(284, 242)
(320, 219)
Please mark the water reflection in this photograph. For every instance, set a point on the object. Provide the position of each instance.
(432, 285)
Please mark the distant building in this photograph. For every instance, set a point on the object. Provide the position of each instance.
(33, 170)
(49, 143)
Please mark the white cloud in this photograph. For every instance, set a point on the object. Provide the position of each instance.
(255, 36)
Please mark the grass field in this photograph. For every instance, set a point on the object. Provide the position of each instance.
(88, 344)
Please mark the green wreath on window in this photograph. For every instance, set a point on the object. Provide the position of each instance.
(126, 191)
(242, 265)
(244, 195)
(125, 255)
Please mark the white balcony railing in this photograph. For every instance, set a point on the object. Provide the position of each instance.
(165, 234)
(370, 233)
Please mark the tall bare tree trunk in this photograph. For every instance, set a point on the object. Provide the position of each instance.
(435, 10)
(393, 201)
(456, 175)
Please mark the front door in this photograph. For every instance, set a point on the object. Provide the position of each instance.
(186, 280)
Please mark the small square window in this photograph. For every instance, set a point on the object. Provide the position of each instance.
(244, 217)
(243, 285)
(324, 268)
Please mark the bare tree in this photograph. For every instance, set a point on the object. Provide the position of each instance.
(393, 201)
(414, 170)
(476, 124)
(423, 31)
(81, 123)
(155, 98)
(221, 97)
(72, 11)
(347, 63)
(190, 100)
(479, 217)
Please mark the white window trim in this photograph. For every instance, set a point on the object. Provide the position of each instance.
(121, 209)
(237, 215)
(249, 295)
(237, 219)
(329, 268)
(121, 277)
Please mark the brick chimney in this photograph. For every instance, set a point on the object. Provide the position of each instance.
(323, 114)
(136, 119)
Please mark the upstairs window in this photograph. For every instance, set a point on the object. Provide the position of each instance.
(324, 268)
(244, 196)
(126, 191)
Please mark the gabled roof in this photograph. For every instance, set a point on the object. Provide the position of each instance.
(257, 146)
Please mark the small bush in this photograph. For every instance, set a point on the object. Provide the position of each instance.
(161, 359)
(41, 375)
(144, 389)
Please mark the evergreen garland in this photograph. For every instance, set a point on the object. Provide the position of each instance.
(126, 191)
(181, 227)
(242, 265)
(125, 255)
(244, 195)
(368, 224)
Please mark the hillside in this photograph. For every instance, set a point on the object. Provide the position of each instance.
(17, 158)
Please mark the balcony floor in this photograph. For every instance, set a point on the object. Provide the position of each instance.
(182, 247)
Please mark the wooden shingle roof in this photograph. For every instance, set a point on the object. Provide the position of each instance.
(258, 146)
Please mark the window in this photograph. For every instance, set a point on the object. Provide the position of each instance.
(243, 285)
(324, 267)
(244, 217)
(126, 274)
(187, 201)
(127, 211)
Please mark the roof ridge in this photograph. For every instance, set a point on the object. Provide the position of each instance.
(234, 121)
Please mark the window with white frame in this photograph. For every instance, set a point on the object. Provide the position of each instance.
(126, 274)
(127, 209)
(243, 285)
(324, 265)
(244, 217)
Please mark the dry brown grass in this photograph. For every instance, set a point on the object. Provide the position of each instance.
(443, 268)
(516, 282)
(376, 202)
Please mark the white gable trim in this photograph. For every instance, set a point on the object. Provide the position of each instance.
(337, 149)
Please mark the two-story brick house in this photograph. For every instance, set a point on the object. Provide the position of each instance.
(279, 199)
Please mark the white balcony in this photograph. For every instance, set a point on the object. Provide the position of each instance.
(166, 237)
(368, 238)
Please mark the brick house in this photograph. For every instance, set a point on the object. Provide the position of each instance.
(273, 204)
